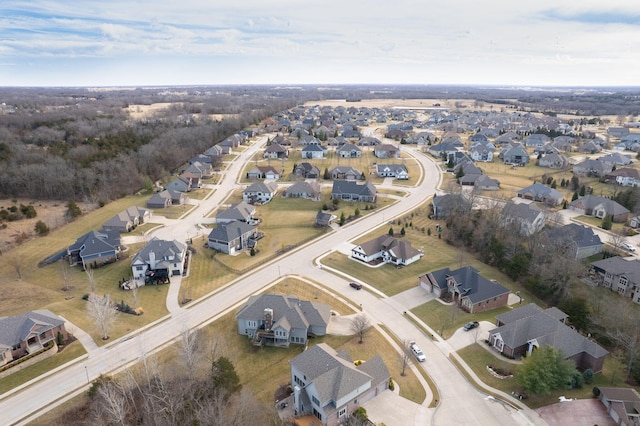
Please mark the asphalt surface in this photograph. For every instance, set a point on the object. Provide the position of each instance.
(33, 399)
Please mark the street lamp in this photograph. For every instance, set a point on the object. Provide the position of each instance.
(87, 373)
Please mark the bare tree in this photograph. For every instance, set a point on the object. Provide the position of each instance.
(102, 310)
(134, 294)
(92, 282)
(188, 350)
(405, 356)
(615, 240)
(14, 260)
(113, 402)
(360, 324)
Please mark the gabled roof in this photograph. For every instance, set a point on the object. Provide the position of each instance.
(240, 211)
(94, 242)
(618, 266)
(14, 330)
(162, 249)
(395, 168)
(303, 188)
(582, 236)
(521, 211)
(531, 322)
(287, 311)
(474, 286)
(352, 187)
(230, 231)
(265, 187)
(591, 201)
(540, 191)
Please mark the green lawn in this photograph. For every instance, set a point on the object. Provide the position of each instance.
(73, 351)
(478, 358)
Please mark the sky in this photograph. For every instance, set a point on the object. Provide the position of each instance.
(286, 42)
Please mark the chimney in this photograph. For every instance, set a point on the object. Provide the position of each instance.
(152, 260)
(268, 318)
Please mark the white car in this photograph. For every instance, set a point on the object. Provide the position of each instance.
(628, 247)
(417, 352)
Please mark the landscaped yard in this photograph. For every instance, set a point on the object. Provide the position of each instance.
(478, 358)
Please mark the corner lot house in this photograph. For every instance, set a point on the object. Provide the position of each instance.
(241, 211)
(327, 384)
(529, 327)
(386, 249)
(276, 320)
(28, 333)
(467, 287)
(158, 260)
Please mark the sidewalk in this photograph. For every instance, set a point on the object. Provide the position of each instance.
(82, 336)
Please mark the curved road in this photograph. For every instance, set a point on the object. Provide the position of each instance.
(455, 391)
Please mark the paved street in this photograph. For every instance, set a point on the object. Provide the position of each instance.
(453, 387)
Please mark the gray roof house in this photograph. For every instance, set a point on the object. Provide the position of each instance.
(600, 207)
(591, 167)
(349, 150)
(524, 329)
(622, 404)
(619, 275)
(398, 171)
(527, 218)
(553, 161)
(577, 241)
(308, 190)
(277, 320)
(514, 153)
(259, 192)
(485, 183)
(349, 190)
(616, 159)
(327, 383)
(324, 219)
(180, 184)
(385, 150)
(160, 200)
(159, 259)
(314, 151)
(449, 204)
(481, 153)
(275, 151)
(95, 248)
(625, 176)
(264, 172)
(241, 211)
(387, 249)
(345, 173)
(128, 219)
(542, 193)
(233, 237)
(470, 290)
(27, 333)
(307, 170)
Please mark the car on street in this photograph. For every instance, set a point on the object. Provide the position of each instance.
(470, 325)
(417, 352)
(628, 246)
(357, 286)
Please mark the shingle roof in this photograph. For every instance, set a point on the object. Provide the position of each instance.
(267, 187)
(352, 187)
(476, 287)
(16, 329)
(591, 201)
(240, 211)
(540, 190)
(230, 231)
(162, 250)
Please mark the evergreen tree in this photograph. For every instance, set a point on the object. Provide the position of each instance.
(391, 231)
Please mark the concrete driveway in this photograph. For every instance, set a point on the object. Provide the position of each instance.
(461, 338)
(393, 410)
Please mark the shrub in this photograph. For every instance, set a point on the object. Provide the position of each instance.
(41, 228)
(577, 380)
(392, 386)
(588, 376)
(596, 392)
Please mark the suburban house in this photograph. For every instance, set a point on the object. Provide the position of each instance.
(329, 385)
(259, 192)
(166, 198)
(524, 329)
(264, 172)
(277, 320)
(233, 237)
(616, 159)
(542, 193)
(180, 184)
(95, 248)
(275, 151)
(314, 151)
(398, 171)
(592, 168)
(600, 207)
(444, 149)
(527, 218)
(625, 176)
(619, 275)
(481, 153)
(345, 173)
(589, 147)
(308, 190)
(127, 220)
(192, 178)
(622, 404)
(307, 171)
(349, 150)
(241, 211)
(201, 170)
(553, 161)
(28, 333)
(348, 190)
(385, 150)
(481, 182)
(158, 260)
(573, 240)
(472, 292)
(386, 249)
(514, 153)
(324, 219)
(444, 206)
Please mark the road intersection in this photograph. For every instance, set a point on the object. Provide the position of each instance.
(461, 403)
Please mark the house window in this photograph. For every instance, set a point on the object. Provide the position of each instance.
(342, 412)
(315, 400)
(16, 347)
(624, 281)
(252, 324)
(138, 268)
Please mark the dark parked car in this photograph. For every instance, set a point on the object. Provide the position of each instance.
(355, 285)
(470, 325)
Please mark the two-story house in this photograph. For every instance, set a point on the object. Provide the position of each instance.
(619, 275)
(259, 192)
(527, 218)
(158, 260)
